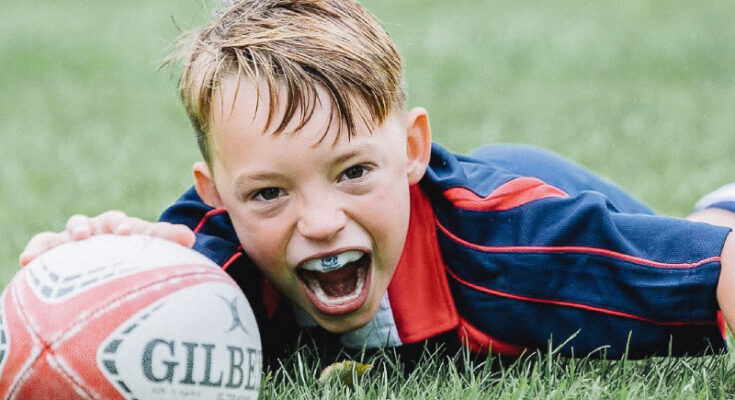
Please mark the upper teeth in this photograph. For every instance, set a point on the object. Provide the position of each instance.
(332, 262)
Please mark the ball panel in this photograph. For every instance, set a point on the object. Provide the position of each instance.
(53, 320)
(70, 270)
(44, 381)
(22, 346)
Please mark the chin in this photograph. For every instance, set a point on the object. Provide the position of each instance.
(346, 323)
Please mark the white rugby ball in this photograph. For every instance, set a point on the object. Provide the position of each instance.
(126, 317)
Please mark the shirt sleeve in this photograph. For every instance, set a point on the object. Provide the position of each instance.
(531, 260)
(215, 236)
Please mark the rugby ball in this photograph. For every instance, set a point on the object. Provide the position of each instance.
(126, 317)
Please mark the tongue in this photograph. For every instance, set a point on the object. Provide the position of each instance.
(339, 283)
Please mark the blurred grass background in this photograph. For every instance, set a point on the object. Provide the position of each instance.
(642, 92)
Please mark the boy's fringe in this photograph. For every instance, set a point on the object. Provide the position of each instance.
(299, 46)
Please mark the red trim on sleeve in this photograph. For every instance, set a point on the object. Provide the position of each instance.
(482, 343)
(231, 260)
(419, 294)
(574, 249)
(574, 305)
(271, 297)
(511, 194)
(207, 216)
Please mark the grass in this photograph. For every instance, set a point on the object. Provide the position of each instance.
(639, 91)
(540, 375)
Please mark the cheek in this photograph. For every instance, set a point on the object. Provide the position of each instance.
(385, 216)
(394, 207)
(263, 242)
(395, 199)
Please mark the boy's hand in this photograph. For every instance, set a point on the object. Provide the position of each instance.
(80, 227)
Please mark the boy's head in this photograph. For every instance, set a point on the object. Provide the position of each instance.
(299, 113)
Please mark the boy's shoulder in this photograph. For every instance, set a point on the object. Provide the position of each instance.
(502, 176)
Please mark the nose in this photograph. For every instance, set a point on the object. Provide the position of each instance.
(321, 219)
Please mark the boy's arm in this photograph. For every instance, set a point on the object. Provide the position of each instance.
(189, 222)
(591, 273)
(80, 227)
(549, 249)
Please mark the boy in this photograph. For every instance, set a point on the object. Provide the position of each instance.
(317, 186)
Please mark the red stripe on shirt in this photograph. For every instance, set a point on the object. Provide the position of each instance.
(511, 194)
(482, 343)
(574, 249)
(573, 305)
(207, 216)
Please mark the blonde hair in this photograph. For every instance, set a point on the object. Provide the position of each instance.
(298, 45)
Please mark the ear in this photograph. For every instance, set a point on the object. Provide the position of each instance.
(418, 144)
(204, 184)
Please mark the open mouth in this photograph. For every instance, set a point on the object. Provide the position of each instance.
(337, 283)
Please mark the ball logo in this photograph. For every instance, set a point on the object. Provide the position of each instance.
(236, 375)
(236, 322)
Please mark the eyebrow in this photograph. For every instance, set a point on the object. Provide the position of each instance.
(356, 151)
(241, 181)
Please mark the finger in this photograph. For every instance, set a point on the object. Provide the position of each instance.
(123, 228)
(40, 243)
(79, 227)
(136, 225)
(110, 220)
(183, 235)
(177, 233)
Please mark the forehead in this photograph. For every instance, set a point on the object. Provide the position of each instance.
(254, 106)
(243, 116)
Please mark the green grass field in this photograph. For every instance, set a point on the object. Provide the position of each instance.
(640, 91)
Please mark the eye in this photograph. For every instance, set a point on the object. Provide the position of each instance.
(268, 194)
(354, 172)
